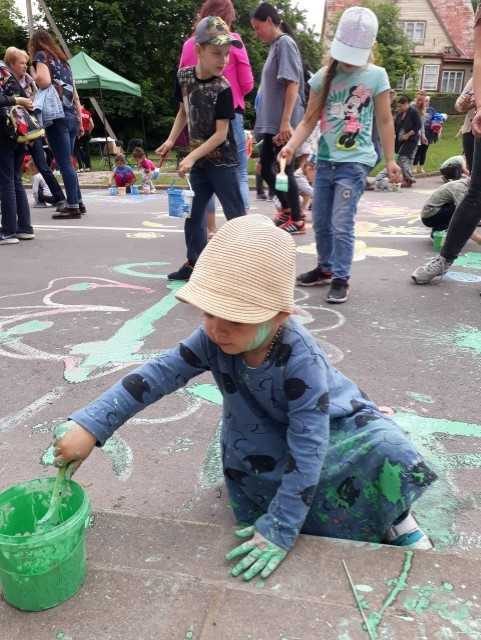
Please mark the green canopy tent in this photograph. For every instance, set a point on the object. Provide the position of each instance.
(91, 75)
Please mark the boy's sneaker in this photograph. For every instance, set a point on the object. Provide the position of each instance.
(60, 204)
(434, 268)
(281, 217)
(408, 534)
(338, 292)
(66, 213)
(183, 273)
(8, 239)
(314, 278)
(25, 235)
(294, 227)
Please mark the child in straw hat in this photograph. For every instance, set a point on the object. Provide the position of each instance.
(303, 449)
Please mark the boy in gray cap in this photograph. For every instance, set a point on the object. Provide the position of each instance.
(206, 105)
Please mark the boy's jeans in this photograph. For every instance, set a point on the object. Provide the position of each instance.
(338, 188)
(15, 209)
(206, 181)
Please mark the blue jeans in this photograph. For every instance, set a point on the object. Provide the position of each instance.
(14, 203)
(61, 136)
(240, 140)
(337, 191)
(38, 156)
(206, 181)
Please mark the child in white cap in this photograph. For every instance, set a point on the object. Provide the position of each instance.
(303, 449)
(344, 96)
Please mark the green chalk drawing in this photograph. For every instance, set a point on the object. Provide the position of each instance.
(420, 397)
(33, 326)
(80, 286)
(120, 455)
(189, 634)
(438, 508)
(468, 338)
(390, 481)
(470, 260)
(211, 474)
(364, 588)
(60, 635)
(207, 392)
(124, 346)
(131, 270)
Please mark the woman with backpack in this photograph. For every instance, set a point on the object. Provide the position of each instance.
(280, 108)
(51, 69)
(16, 223)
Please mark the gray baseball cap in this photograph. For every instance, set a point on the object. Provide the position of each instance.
(213, 30)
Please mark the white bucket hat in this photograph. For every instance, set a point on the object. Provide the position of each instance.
(246, 273)
(355, 36)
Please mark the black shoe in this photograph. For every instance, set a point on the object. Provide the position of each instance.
(60, 204)
(314, 278)
(82, 208)
(67, 213)
(183, 273)
(338, 292)
(261, 196)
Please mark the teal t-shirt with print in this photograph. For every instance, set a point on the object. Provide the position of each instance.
(346, 124)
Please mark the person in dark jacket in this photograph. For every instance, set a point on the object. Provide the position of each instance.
(16, 224)
(408, 126)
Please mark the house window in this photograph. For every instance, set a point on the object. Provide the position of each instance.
(452, 82)
(430, 77)
(415, 30)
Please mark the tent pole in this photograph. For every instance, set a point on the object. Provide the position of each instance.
(63, 44)
(105, 129)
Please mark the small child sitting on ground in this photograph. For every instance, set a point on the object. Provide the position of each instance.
(149, 171)
(303, 448)
(42, 196)
(122, 175)
(441, 205)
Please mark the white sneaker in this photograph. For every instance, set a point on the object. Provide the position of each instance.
(434, 268)
(11, 239)
(25, 236)
(407, 534)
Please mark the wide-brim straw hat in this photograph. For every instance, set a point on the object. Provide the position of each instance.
(246, 273)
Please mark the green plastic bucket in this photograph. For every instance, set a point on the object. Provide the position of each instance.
(40, 570)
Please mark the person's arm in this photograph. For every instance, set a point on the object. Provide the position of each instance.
(41, 75)
(188, 56)
(466, 101)
(304, 128)
(243, 69)
(385, 126)
(96, 422)
(477, 76)
(215, 140)
(291, 96)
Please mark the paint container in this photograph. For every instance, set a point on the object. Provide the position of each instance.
(188, 195)
(113, 191)
(438, 240)
(41, 570)
(176, 202)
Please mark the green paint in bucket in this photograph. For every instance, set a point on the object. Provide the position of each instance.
(40, 570)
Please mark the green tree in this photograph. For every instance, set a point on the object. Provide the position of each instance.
(475, 4)
(12, 34)
(141, 40)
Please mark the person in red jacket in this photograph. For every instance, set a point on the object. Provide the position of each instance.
(82, 150)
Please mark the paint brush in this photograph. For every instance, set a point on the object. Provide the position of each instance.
(50, 519)
(282, 181)
(358, 602)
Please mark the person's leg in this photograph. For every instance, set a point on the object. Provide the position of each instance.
(245, 510)
(224, 181)
(468, 148)
(405, 162)
(423, 152)
(7, 194)
(349, 181)
(195, 228)
(261, 194)
(267, 160)
(24, 224)
(73, 129)
(240, 139)
(417, 156)
(60, 142)
(38, 156)
(440, 220)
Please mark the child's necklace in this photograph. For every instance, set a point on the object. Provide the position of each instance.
(274, 342)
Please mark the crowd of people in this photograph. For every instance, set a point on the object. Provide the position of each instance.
(288, 475)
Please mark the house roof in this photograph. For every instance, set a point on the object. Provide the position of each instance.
(455, 16)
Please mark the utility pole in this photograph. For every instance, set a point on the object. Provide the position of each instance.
(63, 44)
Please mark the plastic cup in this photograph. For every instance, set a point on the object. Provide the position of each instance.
(438, 240)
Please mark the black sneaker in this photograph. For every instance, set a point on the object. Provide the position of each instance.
(338, 292)
(82, 208)
(314, 278)
(66, 213)
(183, 273)
(60, 204)
(261, 196)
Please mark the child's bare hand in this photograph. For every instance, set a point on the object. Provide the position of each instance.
(72, 443)
(394, 172)
(185, 166)
(164, 150)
